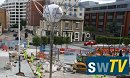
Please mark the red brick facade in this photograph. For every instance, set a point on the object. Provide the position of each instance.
(123, 18)
(33, 16)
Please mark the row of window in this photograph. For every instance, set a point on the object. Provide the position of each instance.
(17, 12)
(14, 4)
(17, 15)
(67, 26)
(107, 7)
(80, 14)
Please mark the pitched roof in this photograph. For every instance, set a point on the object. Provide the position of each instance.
(67, 17)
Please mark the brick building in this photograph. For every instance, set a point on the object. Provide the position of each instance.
(68, 26)
(33, 16)
(114, 17)
(4, 19)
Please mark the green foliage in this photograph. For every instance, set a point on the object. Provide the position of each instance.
(36, 41)
(90, 28)
(98, 39)
(44, 40)
(108, 40)
(23, 22)
(15, 25)
(58, 40)
(126, 41)
(67, 40)
(115, 40)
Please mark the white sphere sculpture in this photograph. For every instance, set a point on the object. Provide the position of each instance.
(52, 13)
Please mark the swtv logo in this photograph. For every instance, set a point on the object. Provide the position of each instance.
(107, 65)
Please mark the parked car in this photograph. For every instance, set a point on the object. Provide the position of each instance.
(90, 42)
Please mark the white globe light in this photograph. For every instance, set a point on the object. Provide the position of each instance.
(52, 13)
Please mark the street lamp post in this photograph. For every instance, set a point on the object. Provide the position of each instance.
(19, 73)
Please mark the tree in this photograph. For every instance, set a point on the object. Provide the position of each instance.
(16, 26)
(44, 42)
(92, 30)
(66, 41)
(36, 42)
(23, 22)
(126, 41)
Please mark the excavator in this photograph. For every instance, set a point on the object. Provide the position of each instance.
(80, 63)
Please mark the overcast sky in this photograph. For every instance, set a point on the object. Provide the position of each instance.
(100, 1)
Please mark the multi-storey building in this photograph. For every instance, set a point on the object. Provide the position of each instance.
(33, 12)
(114, 17)
(68, 26)
(3, 20)
(70, 7)
(12, 7)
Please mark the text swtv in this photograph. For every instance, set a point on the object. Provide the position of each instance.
(107, 65)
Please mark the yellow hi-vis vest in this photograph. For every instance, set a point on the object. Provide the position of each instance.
(28, 44)
(25, 54)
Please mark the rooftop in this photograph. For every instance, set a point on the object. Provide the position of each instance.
(67, 17)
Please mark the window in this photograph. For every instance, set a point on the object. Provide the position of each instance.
(122, 6)
(70, 9)
(110, 13)
(77, 25)
(70, 14)
(66, 26)
(87, 9)
(112, 7)
(80, 14)
(75, 9)
(65, 7)
(76, 35)
(17, 12)
(103, 7)
(94, 14)
(95, 8)
(75, 14)
(120, 13)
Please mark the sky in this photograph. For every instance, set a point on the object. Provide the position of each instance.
(100, 1)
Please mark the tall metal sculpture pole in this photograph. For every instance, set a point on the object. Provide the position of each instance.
(51, 47)
(52, 13)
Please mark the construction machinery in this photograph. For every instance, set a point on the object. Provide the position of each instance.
(80, 63)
